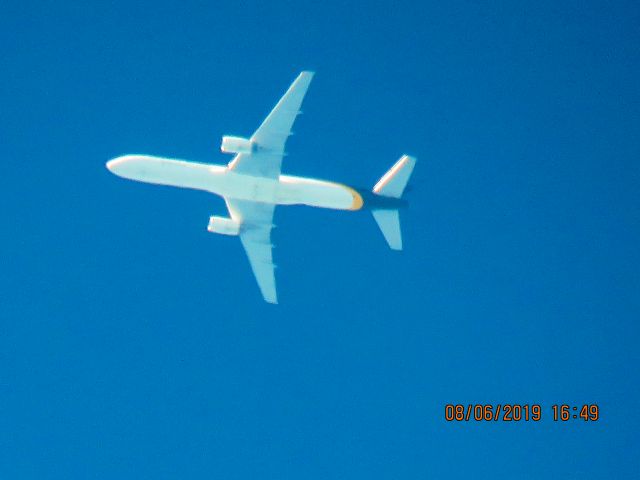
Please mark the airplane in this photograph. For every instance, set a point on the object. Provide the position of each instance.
(252, 185)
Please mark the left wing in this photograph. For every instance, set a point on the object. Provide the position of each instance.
(271, 136)
(256, 222)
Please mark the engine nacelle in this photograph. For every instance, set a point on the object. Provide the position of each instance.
(237, 145)
(223, 226)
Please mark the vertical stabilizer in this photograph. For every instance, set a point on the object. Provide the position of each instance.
(392, 184)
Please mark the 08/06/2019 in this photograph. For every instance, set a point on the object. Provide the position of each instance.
(514, 412)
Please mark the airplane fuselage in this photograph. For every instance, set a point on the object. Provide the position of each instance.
(220, 180)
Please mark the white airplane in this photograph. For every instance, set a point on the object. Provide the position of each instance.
(252, 185)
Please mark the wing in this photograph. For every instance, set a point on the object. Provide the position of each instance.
(270, 138)
(256, 222)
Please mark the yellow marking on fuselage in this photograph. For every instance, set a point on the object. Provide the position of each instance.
(358, 202)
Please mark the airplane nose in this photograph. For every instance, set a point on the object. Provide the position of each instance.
(113, 164)
(132, 167)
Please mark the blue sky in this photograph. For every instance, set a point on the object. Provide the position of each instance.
(134, 344)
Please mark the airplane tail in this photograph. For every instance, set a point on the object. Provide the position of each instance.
(392, 184)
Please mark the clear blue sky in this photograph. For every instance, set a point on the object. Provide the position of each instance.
(134, 344)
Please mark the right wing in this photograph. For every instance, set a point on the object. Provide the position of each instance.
(271, 136)
(256, 222)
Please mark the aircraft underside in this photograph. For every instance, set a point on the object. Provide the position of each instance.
(252, 185)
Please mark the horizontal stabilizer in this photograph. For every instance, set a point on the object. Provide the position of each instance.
(389, 223)
(393, 182)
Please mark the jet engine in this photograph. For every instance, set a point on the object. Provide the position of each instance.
(223, 226)
(237, 145)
